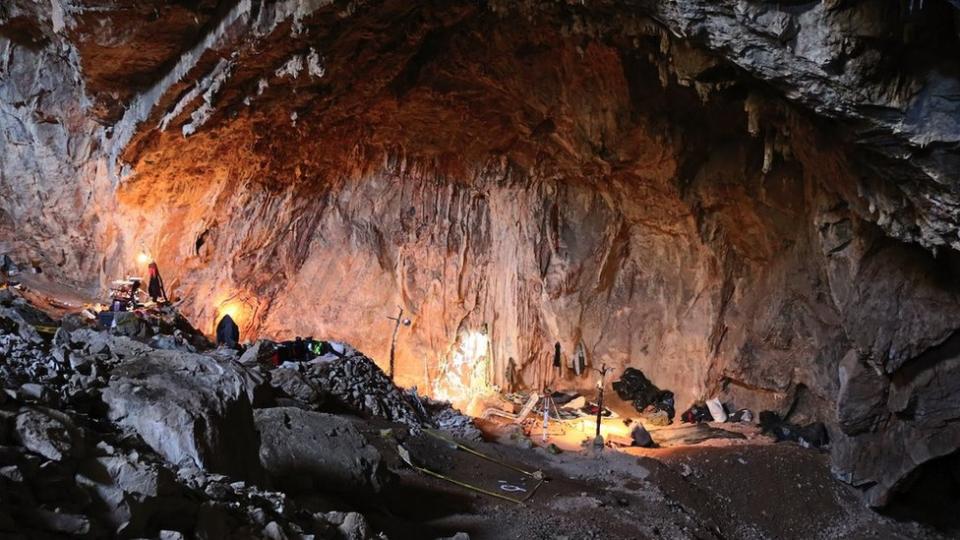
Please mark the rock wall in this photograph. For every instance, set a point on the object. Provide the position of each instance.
(716, 193)
(50, 173)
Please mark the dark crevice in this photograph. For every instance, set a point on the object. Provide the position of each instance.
(931, 494)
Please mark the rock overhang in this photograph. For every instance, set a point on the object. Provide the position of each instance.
(696, 187)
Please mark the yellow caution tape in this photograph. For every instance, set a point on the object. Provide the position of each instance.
(446, 438)
(405, 456)
(46, 329)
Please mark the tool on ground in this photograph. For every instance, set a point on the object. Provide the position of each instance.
(46, 329)
(393, 340)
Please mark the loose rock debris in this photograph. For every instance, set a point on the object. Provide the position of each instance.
(131, 432)
(108, 435)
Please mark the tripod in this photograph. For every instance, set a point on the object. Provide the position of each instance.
(548, 404)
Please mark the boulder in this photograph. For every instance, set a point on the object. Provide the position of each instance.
(350, 525)
(47, 432)
(132, 494)
(75, 321)
(258, 352)
(188, 407)
(7, 422)
(12, 321)
(126, 323)
(101, 343)
(294, 384)
(58, 522)
(921, 411)
(34, 391)
(640, 436)
(303, 450)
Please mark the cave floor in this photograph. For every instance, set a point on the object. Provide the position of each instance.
(745, 488)
(754, 489)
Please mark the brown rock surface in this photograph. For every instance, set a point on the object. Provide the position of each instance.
(717, 193)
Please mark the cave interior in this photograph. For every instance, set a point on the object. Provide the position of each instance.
(744, 200)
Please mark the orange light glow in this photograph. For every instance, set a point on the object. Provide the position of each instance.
(238, 310)
(570, 435)
(143, 258)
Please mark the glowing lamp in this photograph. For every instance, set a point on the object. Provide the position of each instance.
(232, 309)
(237, 309)
(143, 258)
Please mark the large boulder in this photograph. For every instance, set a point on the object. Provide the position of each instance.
(918, 411)
(303, 450)
(128, 324)
(188, 407)
(12, 321)
(47, 432)
(131, 493)
(294, 384)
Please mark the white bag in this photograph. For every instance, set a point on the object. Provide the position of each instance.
(716, 410)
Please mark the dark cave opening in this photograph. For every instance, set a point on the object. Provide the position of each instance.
(931, 494)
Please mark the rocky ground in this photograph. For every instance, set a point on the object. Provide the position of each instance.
(147, 432)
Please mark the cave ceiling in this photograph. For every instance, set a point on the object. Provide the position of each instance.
(876, 73)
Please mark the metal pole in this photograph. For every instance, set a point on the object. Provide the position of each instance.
(599, 410)
(598, 440)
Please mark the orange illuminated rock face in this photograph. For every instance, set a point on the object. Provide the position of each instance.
(516, 186)
(677, 188)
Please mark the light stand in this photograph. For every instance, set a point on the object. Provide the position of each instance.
(598, 439)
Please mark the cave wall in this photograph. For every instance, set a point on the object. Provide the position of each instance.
(50, 172)
(683, 188)
(539, 245)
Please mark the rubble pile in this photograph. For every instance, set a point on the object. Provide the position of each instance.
(354, 382)
(131, 431)
(443, 416)
(102, 435)
(23, 346)
(162, 326)
(358, 383)
(65, 473)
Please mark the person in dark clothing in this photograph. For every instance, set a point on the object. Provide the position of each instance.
(5, 266)
(299, 350)
(557, 361)
(155, 286)
(510, 374)
(228, 333)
